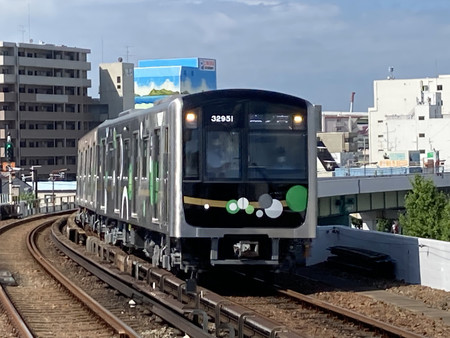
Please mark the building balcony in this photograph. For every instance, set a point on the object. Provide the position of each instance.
(47, 151)
(6, 60)
(50, 133)
(7, 97)
(8, 78)
(7, 115)
(4, 133)
(48, 116)
(54, 81)
(54, 63)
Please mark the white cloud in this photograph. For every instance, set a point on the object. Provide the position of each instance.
(257, 2)
(322, 50)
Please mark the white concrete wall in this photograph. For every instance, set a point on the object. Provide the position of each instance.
(417, 260)
(394, 124)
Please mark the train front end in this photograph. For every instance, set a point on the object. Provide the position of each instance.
(249, 176)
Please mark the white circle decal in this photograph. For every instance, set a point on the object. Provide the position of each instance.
(242, 203)
(275, 210)
(233, 206)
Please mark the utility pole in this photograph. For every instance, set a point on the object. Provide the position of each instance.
(9, 156)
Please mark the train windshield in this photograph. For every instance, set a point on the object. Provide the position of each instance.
(246, 140)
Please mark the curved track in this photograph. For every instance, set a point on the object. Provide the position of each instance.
(47, 308)
(201, 313)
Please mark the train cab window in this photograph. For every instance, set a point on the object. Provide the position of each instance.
(191, 154)
(277, 156)
(223, 154)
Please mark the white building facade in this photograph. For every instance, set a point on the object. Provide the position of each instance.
(410, 122)
(117, 87)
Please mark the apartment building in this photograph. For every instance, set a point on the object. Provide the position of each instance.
(44, 105)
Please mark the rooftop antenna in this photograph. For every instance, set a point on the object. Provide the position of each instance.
(22, 30)
(391, 73)
(352, 98)
(29, 23)
(128, 53)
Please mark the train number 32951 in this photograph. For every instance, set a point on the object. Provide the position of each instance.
(221, 118)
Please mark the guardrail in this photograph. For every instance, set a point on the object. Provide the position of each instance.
(37, 206)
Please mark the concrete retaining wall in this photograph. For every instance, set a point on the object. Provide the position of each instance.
(417, 260)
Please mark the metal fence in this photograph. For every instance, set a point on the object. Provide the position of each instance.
(35, 206)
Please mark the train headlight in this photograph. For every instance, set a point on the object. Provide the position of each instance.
(191, 120)
(298, 121)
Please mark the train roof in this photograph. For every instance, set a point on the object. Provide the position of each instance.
(197, 98)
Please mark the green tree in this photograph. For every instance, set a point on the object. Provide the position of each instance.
(384, 224)
(427, 211)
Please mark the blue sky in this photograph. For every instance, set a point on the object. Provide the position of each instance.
(319, 50)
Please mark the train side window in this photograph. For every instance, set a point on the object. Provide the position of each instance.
(110, 158)
(144, 157)
(117, 158)
(126, 158)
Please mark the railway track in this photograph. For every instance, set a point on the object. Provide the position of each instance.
(202, 313)
(42, 306)
(267, 324)
(307, 314)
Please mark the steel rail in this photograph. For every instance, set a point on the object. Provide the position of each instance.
(158, 286)
(127, 286)
(348, 314)
(14, 316)
(121, 328)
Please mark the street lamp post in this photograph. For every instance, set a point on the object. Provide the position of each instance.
(34, 179)
(55, 174)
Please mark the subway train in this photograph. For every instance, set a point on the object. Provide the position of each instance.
(217, 178)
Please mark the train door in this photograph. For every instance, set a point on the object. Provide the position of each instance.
(91, 174)
(117, 173)
(134, 180)
(109, 174)
(154, 174)
(145, 170)
(158, 179)
(164, 191)
(102, 174)
(126, 179)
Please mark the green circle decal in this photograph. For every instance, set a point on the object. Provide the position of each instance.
(232, 206)
(297, 197)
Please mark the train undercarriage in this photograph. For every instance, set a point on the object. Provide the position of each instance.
(191, 256)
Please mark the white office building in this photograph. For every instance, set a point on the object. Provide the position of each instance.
(410, 122)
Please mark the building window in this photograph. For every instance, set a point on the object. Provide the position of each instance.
(421, 118)
(379, 136)
(439, 87)
(380, 121)
(422, 135)
(422, 151)
(118, 79)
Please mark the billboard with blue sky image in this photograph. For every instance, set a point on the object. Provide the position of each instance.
(155, 79)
